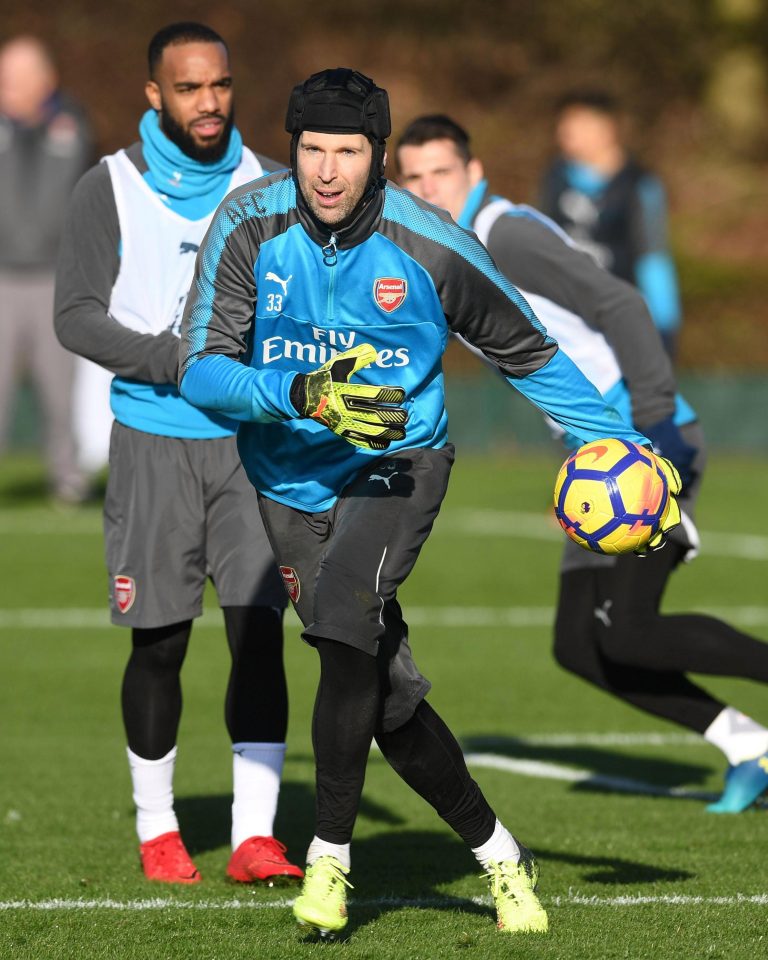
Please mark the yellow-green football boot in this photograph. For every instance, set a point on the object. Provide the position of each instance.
(322, 903)
(513, 887)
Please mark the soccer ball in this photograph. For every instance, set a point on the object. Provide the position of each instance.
(610, 496)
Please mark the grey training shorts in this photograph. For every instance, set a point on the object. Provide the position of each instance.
(176, 512)
(342, 567)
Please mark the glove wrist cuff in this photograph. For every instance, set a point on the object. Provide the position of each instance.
(298, 394)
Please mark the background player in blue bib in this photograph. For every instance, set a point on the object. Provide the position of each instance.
(176, 507)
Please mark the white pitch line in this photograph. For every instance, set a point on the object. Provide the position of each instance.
(470, 521)
(51, 523)
(556, 771)
(566, 900)
(538, 526)
(669, 899)
(93, 618)
(611, 739)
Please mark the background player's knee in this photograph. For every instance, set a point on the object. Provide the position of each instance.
(575, 648)
(626, 639)
(575, 645)
(256, 707)
(160, 649)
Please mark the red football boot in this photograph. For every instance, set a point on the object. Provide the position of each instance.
(166, 859)
(262, 858)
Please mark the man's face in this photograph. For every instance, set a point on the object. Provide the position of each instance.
(437, 173)
(192, 90)
(584, 134)
(27, 79)
(333, 170)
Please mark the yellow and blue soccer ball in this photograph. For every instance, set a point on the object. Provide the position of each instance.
(611, 497)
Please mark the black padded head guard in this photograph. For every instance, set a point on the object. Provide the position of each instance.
(341, 101)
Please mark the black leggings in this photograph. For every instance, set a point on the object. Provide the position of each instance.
(423, 751)
(610, 632)
(256, 706)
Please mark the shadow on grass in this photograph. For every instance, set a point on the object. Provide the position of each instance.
(655, 770)
(615, 870)
(404, 869)
(205, 821)
(398, 869)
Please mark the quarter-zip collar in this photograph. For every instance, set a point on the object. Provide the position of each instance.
(353, 232)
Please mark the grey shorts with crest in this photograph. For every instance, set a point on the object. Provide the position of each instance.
(176, 512)
(342, 567)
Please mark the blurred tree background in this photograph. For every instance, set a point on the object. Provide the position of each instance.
(692, 75)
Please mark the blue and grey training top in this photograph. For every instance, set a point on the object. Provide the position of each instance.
(275, 293)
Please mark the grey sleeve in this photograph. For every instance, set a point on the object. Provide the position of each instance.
(268, 165)
(89, 261)
(218, 314)
(537, 260)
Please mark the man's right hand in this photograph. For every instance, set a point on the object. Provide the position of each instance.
(668, 442)
(367, 416)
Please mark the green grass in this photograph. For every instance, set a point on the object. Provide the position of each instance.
(66, 822)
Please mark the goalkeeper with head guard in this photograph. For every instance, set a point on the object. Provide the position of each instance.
(322, 302)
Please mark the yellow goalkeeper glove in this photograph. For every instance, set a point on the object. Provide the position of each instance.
(366, 416)
(671, 518)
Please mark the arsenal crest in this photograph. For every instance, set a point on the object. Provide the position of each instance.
(389, 293)
(125, 593)
(291, 581)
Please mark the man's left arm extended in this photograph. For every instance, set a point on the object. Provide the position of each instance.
(489, 312)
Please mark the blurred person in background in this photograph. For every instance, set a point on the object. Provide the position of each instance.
(609, 629)
(178, 505)
(610, 205)
(45, 146)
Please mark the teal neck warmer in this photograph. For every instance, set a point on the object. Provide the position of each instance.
(189, 187)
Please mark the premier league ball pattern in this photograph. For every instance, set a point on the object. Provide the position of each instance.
(610, 497)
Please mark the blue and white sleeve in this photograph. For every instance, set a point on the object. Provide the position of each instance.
(562, 391)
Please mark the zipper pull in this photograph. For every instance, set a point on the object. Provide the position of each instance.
(329, 252)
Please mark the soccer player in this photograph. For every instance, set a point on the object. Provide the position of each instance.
(608, 628)
(306, 279)
(611, 205)
(178, 505)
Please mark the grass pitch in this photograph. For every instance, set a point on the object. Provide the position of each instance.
(625, 873)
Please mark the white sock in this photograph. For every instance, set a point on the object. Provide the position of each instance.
(256, 772)
(153, 794)
(737, 735)
(322, 848)
(501, 846)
